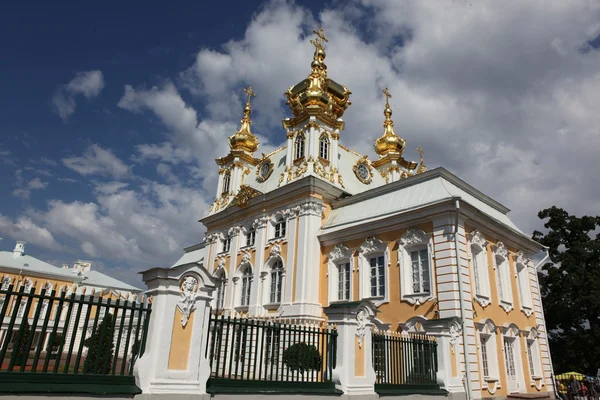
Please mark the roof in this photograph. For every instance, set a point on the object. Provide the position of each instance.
(193, 254)
(29, 264)
(95, 278)
(409, 194)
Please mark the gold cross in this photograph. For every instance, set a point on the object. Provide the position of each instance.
(320, 34)
(249, 92)
(387, 95)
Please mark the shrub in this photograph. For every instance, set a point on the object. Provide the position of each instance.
(22, 347)
(302, 357)
(100, 352)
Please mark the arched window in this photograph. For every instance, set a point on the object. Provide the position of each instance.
(226, 182)
(280, 227)
(324, 148)
(299, 147)
(246, 286)
(221, 283)
(276, 282)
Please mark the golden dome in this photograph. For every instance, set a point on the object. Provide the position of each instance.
(244, 139)
(318, 94)
(389, 142)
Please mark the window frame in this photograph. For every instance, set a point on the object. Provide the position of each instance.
(226, 244)
(299, 147)
(226, 182)
(503, 277)
(221, 286)
(415, 239)
(488, 330)
(339, 255)
(480, 268)
(373, 247)
(275, 292)
(246, 277)
(324, 147)
(250, 237)
(279, 227)
(524, 284)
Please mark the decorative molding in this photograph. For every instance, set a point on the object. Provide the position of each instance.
(361, 326)
(260, 176)
(371, 245)
(312, 208)
(363, 161)
(186, 305)
(455, 331)
(245, 258)
(234, 230)
(275, 251)
(244, 195)
(260, 222)
(414, 236)
(477, 238)
(501, 250)
(339, 252)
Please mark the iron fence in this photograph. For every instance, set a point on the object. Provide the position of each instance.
(70, 338)
(404, 360)
(250, 354)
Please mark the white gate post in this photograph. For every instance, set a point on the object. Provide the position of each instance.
(353, 373)
(174, 360)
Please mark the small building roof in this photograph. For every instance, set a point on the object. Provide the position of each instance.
(98, 279)
(27, 264)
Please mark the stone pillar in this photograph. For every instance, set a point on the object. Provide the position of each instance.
(292, 219)
(174, 361)
(256, 307)
(353, 373)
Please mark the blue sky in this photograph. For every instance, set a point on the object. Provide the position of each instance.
(111, 116)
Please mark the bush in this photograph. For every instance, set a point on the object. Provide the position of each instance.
(302, 357)
(22, 347)
(100, 352)
(54, 344)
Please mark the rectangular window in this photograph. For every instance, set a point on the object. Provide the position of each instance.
(420, 271)
(377, 276)
(226, 244)
(530, 350)
(523, 283)
(246, 282)
(251, 237)
(280, 229)
(276, 286)
(474, 257)
(484, 354)
(344, 281)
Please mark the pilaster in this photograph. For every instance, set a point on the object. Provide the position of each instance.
(256, 308)
(292, 222)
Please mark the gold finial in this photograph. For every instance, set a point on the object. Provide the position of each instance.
(387, 95)
(244, 139)
(318, 42)
(422, 168)
(389, 142)
(320, 35)
(250, 93)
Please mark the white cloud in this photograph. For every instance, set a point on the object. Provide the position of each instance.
(24, 192)
(97, 161)
(36, 184)
(25, 229)
(89, 84)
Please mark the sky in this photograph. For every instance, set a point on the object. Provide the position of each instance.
(111, 117)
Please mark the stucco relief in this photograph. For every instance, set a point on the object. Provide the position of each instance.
(361, 326)
(186, 305)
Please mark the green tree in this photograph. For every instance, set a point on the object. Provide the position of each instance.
(100, 348)
(302, 357)
(570, 287)
(22, 348)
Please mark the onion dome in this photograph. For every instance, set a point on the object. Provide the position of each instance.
(244, 139)
(317, 94)
(389, 142)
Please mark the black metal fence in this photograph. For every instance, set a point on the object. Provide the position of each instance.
(64, 341)
(257, 354)
(404, 360)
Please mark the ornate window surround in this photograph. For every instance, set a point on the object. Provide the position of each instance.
(373, 247)
(412, 240)
(278, 217)
(522, 274)
(237, 283)
(220, 276)
(532, 344)
(503, 276)
(479, 260)
(487, 329)
(340, 254)
(324, 147)
(265, 277)
(6, 281)
(299, 146)
(512, 332)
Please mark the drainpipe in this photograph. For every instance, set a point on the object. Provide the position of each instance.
(462, 305)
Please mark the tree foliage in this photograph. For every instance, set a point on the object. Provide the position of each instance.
(570, 287)
(100, 348)
(302, 357)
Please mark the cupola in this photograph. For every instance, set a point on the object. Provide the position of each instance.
(389, 142)
(244, 139)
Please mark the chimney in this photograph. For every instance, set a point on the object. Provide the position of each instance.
(19, 250)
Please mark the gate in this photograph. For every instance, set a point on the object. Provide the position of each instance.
(261, 355)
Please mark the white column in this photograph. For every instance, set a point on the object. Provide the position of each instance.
(333, 157)
(256, 307)
(353, 373)
(306, 304)
(167, 288)
(289, 159)
(291, 252)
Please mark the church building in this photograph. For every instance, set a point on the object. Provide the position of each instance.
(315, 223)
